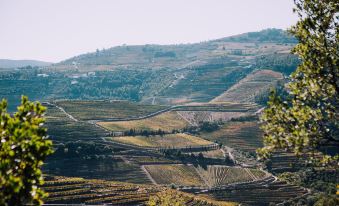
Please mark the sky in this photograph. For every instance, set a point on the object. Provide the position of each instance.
(54, 30)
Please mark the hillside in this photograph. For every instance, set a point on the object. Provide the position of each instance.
(158, 56)
(154, 74)
(254, 84)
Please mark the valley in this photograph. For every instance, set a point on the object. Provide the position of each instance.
(131, 122)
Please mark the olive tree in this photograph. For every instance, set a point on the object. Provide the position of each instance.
(306, 121)
(23, 148)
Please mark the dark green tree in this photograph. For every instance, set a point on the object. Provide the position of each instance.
(306, 121)
(23, 148)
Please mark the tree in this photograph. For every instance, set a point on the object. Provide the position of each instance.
(23, 148)
(306, 121)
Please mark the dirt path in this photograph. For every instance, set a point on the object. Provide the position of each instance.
(62, 110)
(148, 175)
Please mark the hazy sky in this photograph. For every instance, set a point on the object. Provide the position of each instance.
(53, 30)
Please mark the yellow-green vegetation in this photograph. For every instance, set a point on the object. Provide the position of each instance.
(246, 136)
(177, 198)
(178, 140)
(167, 121)
(183, 175)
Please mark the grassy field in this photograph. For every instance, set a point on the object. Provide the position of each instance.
(99, 110)
(169, 140)
(183, 175)
(245, 136)
(166, 121)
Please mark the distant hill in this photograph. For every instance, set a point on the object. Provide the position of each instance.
(264, 36)
(240, 68)
(9, 63)
(181, 55)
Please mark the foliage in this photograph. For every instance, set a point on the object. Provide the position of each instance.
(307, 121)
(209, 126)
(284, 63)
(84, 150)
(24, 146)
(267, 35)
(167, 198)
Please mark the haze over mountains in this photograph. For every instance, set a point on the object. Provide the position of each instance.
(10, 63)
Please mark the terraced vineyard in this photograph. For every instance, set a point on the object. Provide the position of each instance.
(179, 140)
(62, 129)
(72, 190)
(247, 89)
(214, 176)
(79, 190)
(245, 136)
(263, 193)
(167, 121)
(218, 176)
(100, 110)
(108, 169)
(181, 175)
(283, 161)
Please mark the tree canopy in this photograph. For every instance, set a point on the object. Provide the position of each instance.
(23, 148)
(306, 120)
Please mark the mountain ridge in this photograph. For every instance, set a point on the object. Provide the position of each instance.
(12, 63)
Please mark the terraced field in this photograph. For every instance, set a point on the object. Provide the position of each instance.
(114, 169)
(216, 176)
(245, 136)
(73, 190)
(167, 121)
(195, 117)
(79, 190)
(62, 129)
(100, 110)
(179, 140)
(284, 161)
(268, 192)
(247, 89)
(181, 175)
